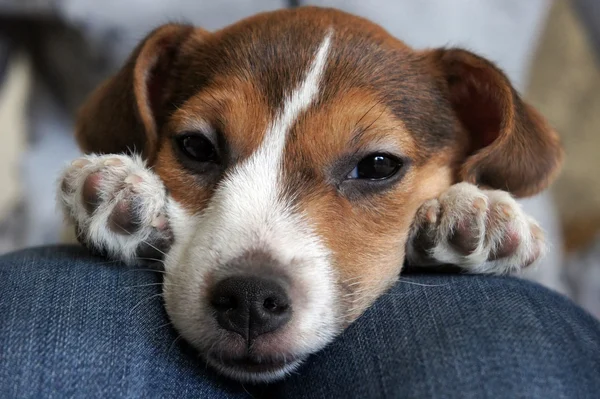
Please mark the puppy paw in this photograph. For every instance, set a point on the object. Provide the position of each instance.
(118, 206)
(480, 231)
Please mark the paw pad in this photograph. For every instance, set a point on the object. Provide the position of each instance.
(478, 230)
(119, 207)
(90, 194)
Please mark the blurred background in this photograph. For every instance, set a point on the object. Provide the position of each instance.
(54, 52)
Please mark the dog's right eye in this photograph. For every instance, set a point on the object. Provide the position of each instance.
(198, 148)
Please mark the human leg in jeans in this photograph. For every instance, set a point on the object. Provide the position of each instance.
(76, 326)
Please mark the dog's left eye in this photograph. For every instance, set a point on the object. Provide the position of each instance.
(198, 148)
(376, 167)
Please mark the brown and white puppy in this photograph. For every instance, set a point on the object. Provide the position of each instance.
(290, 163)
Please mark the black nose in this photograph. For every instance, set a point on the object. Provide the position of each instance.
(251, 306)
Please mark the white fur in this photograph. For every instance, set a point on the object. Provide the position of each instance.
(112, 189)
(492, 223)
(247, 213)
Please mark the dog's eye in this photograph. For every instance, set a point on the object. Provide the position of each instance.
(376, 167)
(198, 148)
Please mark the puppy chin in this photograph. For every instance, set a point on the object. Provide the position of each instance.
(268, 358)
(253, 370)
(198, 261)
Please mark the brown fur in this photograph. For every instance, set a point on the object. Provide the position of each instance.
(451, 114)
(122, 114)
(236, 112)
(512, 147)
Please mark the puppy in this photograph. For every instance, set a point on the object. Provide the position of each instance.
(287, 166)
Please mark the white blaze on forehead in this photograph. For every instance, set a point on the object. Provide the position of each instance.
(247, 213)
(298, 101)
(248, 197)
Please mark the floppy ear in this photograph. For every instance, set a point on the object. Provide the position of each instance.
(512, 147)
(122, 114)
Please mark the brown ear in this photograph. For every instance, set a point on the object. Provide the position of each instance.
(512, 147)
(121, 114)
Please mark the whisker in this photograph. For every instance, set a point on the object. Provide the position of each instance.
(108, 262)
(162, 326)
(147, 270)
(367, 113)
(249, 394)
(143, 285)
(376, 119)
(361, 131)
(144, 241)
(163, 283)
(212, 347)
(122, 228)
(144, 300)
(420, 284)
(153, 247)
(174, 342)
(152, 259)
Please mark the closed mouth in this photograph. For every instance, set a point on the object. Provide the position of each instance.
(255, 369)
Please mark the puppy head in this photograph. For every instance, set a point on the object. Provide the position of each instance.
(297, 146)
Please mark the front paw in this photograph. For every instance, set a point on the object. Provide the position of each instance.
(481, 231)
(117, 205)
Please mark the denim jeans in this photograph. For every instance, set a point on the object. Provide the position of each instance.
(76, 326)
